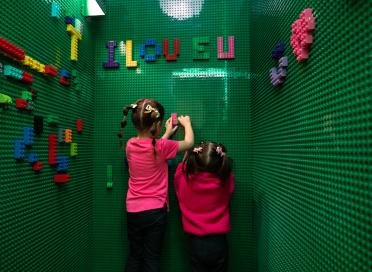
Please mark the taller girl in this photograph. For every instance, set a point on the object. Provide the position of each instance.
(147, 196)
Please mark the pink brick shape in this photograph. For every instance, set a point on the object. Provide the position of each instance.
(302, 38)
(309, 20)
(231, 48)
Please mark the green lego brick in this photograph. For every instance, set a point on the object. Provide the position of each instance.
(26, 95)
(109, 176)
(199, 45)
(52, 119)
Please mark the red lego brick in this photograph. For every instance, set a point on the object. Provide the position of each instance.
(11, 50)
(52, 147)
(37, 166)
(21, 103)
(27, 78)
(61, 178)
(79, 125)
(64, 81)
(176, 49)
(50, 70)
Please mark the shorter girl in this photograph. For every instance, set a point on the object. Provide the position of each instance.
(204, 184)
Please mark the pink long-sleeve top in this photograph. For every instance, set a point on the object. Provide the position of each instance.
(148, 174)
(204, 202)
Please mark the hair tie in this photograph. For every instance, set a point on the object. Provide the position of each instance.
(197, 150)
(120, 134)
(150, 109)
(219, 151)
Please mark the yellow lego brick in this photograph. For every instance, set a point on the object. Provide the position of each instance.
(41, 68)
(68, 135)
(74, 48)
(75, 37)
(129, 62)
(73, 32)
(27, 61)
(35, 65)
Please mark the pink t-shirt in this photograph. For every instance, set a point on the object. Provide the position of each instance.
(204, 202)
(148, 175)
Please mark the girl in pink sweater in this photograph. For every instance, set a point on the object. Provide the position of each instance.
(204, 184)
(147, 196)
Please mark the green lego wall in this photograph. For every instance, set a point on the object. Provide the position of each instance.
(312, 139)
(46, 226)
(302, 151)
(214, 92)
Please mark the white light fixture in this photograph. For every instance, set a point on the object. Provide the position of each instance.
(181, 9)
(92, 8)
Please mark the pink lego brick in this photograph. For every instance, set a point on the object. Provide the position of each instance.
(231, 48)
(301, 38)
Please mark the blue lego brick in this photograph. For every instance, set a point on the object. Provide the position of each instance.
(32, 158)
(158, 50)
(150, 42)
(62, 163)
(19, 149)
(142, 51)
(70, 20)
(65, 73)
(28, 135)
(278, 51)
(150, 58)
(55, 10)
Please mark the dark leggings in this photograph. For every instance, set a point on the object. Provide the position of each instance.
(145, 234)
(209, 253)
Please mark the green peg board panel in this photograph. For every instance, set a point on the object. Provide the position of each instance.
(44, 226)
(302, 152)
(312, 139)
(213, 92)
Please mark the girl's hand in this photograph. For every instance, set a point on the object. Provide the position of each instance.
(188, 141)
(169, 130)
(184, 120)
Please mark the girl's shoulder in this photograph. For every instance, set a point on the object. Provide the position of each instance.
(136, 140)
(180, 167)
(165, 141)
(167, 145)
(179, 173)
(136, 143)
(131, 139)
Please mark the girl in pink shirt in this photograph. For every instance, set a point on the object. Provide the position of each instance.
(204, 184)
(147, 195)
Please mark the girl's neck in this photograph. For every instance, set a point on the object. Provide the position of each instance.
(143, 135)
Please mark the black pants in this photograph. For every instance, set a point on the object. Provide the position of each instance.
(145, 234)
(209, 253)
